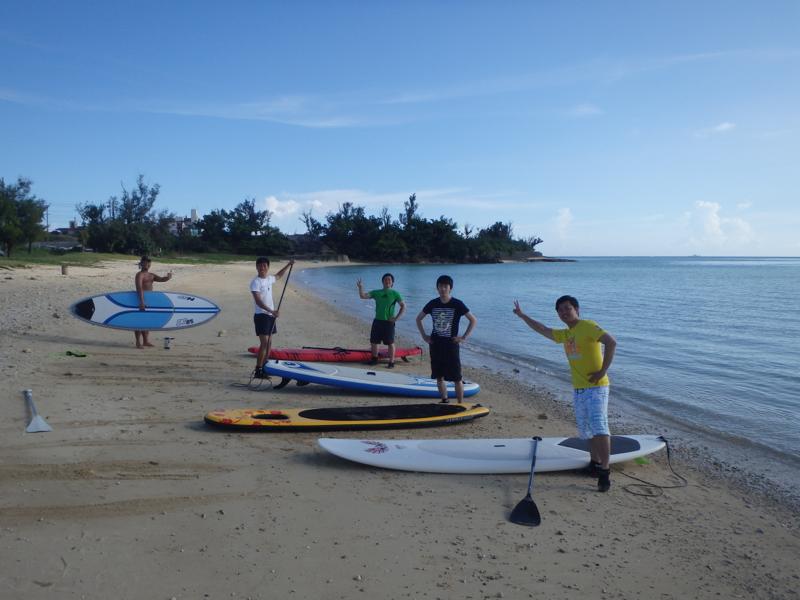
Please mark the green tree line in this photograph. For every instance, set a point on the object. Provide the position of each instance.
(128, 224)
(412, 238)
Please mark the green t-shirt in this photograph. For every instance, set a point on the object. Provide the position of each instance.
(583, 352)
(384, 303)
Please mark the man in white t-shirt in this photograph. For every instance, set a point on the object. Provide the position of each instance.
(265, 311)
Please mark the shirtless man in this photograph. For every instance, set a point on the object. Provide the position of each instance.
(144, 283)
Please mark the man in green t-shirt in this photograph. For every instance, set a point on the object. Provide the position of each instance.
(582, 340)
(383, 325)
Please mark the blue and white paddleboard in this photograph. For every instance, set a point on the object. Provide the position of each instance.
(486, 455)
(378, 381)
(164, 310)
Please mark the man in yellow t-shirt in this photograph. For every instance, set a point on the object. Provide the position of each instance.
(582, 340)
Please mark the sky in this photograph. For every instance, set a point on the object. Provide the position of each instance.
(604, 128)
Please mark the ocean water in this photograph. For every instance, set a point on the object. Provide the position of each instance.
(707, 346)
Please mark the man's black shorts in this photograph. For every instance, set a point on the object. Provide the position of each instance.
(382, 332)
(445, 360)
(264, 324)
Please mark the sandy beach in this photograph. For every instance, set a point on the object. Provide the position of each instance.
(133, 496)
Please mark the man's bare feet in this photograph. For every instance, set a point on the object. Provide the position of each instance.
(148, 344)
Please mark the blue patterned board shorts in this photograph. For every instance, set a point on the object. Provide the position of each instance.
(591, 411)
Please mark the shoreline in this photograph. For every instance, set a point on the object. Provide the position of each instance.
(725, 459)
(718, 463)
(204, 513)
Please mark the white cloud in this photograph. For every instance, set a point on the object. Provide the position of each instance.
(709, 230)
(744, 205)
(563, 222)
(720, 129)
(281, 208)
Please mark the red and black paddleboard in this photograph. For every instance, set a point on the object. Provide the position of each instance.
(313, 354)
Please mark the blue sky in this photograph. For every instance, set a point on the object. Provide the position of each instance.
(605, 128)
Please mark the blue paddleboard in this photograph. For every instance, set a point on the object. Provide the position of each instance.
(379, 381)
(163, 310)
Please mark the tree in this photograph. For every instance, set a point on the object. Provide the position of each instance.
(413, 234)
(409, 215)
(245, 222)
(213, 229)
(21, 214)
(135, 206)
(129, 226)
(499, 231)
(31, 213)
(95, 233)
(314, 228)
(533, 242)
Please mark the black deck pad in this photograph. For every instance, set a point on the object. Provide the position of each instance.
(380, 413)
(85, 309)
(619, 444)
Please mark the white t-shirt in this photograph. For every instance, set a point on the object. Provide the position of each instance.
(264, 289)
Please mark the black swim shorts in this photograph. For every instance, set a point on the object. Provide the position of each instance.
(445, 360)
(382, 332)
(264, 324)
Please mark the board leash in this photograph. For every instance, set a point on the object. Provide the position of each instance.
(647, 488)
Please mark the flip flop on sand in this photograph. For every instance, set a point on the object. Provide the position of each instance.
(75, 353)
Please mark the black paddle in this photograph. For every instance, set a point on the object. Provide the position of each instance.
(526, 512)
(286, 283)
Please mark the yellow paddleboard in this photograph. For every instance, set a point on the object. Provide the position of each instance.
(397, 416)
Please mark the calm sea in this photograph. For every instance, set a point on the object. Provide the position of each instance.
(707, 346)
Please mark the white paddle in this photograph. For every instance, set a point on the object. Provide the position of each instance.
(37, 424)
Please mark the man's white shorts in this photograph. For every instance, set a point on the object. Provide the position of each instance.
(591, 411)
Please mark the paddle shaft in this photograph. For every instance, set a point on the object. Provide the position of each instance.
(280, 301)
(289, 274)
(29, 402)
(533, 464)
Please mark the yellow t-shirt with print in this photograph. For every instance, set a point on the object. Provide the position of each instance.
(583, 352)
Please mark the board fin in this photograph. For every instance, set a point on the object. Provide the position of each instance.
(284, 382)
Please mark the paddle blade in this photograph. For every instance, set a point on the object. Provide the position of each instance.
(38, 425)
(526, 513)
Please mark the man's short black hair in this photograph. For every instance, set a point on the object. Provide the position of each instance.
(571, 299)
(445, 279)
(385, 275)
(262, 260)
(144, 259)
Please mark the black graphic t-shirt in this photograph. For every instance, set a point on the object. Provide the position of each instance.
(445, 317)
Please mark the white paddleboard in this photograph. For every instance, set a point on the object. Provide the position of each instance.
(377, 381)
(486, 455)
(163, 310)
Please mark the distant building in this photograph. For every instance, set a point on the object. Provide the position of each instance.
(73, 229)
(187, 224)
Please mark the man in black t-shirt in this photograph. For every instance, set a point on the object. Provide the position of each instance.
(446, 312)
